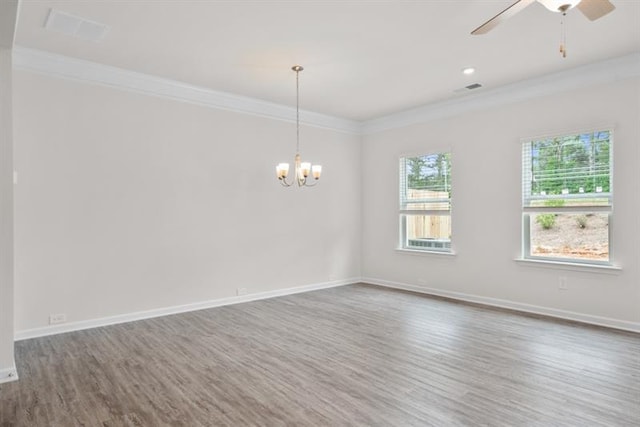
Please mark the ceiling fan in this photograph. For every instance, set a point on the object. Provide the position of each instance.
(592, 9)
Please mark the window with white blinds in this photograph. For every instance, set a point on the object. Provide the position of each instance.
(425, 202)
(567, 197)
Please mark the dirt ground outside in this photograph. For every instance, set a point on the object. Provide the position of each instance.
(568, 239)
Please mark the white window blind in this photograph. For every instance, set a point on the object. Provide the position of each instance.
(425, 202)
(573, 172)
(425, 184)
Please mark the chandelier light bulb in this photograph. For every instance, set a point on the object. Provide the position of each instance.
(282, 170)
(305, 168)
(316, 170)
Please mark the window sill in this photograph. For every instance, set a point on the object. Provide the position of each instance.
(572, 266)
(420, 252)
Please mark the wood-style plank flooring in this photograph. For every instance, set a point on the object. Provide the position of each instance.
(353, 355)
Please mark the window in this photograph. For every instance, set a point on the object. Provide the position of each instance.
(567, 197)
(425, 202)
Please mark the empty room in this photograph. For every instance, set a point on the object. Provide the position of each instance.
(319, 213)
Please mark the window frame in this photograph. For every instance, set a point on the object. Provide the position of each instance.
(528, 211)
(404, 213)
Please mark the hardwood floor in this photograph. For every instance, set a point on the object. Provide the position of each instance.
(353, 355)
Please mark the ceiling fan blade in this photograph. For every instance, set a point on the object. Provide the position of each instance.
(594, 9)
(502, 16)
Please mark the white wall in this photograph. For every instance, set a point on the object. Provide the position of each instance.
(6, 218)
(486, 152)
(129, 202)
(8, 18)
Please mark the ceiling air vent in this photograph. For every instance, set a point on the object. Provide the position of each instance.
(468, 88)
(75, 26)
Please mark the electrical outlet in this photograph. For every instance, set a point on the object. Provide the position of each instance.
(562, 283)
(241, 291)
(54, 319)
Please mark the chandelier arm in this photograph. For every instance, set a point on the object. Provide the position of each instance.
(284, 182)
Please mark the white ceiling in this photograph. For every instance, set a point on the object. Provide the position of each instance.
(362, 59)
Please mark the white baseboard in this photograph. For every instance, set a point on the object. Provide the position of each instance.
(131, 317)
(8, 374)
(495, 302)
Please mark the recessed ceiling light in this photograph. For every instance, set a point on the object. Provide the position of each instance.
(468, 70)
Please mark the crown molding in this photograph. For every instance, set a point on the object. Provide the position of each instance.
(90, 72)
(608, 71)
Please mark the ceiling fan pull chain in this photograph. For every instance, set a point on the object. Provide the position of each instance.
(561, 45)
(563, 35)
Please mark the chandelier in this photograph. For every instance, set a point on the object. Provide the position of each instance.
(301, 169)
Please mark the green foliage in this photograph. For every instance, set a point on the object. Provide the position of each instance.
(432, 172)
(546, 220)
(415, 166)
(577, 163)
(555, 203)
(581, 220)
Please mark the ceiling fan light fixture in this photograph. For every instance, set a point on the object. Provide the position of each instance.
(559, 5)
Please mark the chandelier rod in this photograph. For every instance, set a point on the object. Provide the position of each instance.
(297, 69)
